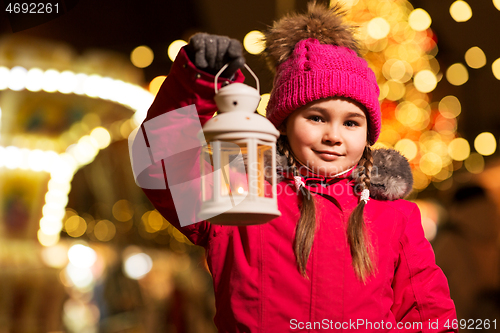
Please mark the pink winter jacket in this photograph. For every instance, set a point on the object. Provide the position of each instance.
(258, 287)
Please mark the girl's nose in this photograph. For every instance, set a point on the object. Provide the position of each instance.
(332, 136)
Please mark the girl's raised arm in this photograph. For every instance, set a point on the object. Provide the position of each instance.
(165, 149)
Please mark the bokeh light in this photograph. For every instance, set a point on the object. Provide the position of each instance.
(101, 137)
(430, 216)
(36, 160)
(156, 221)
(122, 210)
(152, 222)
(34, 79)
(400, 71)
(92, 86)
(142, 56)
(419, 20)
(47, 240)
(459, 149)
(67, 82)
(460, 11)
(431, 164)
(81, 277)
(425, 81)
(475, 163)
(445, 126)
(17, 79)
(475, 57)
(388, 136)
(104, 230)
(254, 42)
(50, 223)
(75, 226)
(457, 74)
(393, 90)
(485, 144)
(55, 256)
(155, 84)
(50, 80)
(412, 116)
(420, 180)
(137, 265)
(496, 3)
(495, 67)
(407, 147)
(450, 107)
(174, 48)
(82, 256)
(378, 28)
(264, 100)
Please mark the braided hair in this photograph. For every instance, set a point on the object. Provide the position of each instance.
(306, 227)
(360, 245)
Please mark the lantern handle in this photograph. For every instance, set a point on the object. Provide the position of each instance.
(248, 69)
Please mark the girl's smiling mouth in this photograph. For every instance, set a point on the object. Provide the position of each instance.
(328, 155)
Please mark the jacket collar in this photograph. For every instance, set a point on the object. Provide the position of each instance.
(309, 177)
(340, 190)
(391, 177)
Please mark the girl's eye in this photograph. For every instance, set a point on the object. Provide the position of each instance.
(351, 123)
(315, 118)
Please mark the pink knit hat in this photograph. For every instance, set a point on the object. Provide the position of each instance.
(314, 71)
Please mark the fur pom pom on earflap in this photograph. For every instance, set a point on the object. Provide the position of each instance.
(320, 22)
(391, 176)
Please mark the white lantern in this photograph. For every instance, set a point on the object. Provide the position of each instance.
(238, 161)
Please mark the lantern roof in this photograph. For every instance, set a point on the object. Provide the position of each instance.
(243, 122)
(237, 103)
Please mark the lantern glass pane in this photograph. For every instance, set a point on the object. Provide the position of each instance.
(265, 170)
(233, 171)
(207, 173)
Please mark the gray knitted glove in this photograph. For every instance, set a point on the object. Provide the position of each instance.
(211, 52)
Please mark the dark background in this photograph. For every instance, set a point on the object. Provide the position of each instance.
(121, 25)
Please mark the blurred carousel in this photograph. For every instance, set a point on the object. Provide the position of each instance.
(77, 237)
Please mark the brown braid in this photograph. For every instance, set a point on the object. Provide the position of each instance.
(366, 163)
(306, 226)
(360, 245)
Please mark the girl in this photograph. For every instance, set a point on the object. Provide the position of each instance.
(335, 259)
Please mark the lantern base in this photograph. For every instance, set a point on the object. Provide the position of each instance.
(245, 213)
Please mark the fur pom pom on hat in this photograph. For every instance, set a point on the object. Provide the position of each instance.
(315, 56)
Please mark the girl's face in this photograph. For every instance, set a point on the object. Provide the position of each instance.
(328, 135)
